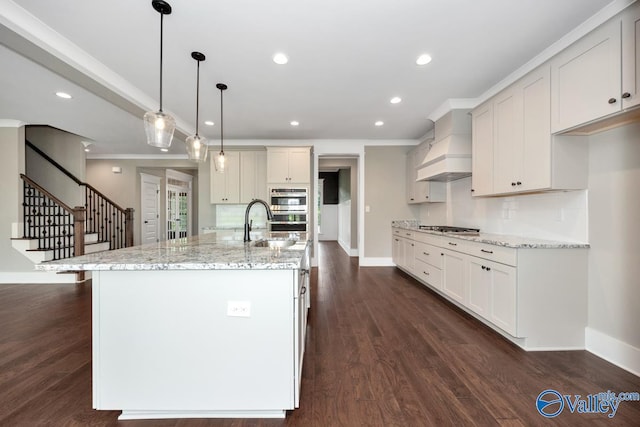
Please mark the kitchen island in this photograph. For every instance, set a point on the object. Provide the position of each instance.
(197, 328)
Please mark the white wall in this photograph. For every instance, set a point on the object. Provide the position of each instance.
(614, 235)
(555, 215)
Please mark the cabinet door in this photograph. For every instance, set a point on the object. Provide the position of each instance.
(411, 177)
(507, 143)
(253, 176)
(299, 165)
(277, 164)
(409, 255)
(453, 281)
(534, 160)
(631, 57)
(503, 297)
(479, 287)
(225, 187)
(396, 250)
(586, 79)
(482, 150)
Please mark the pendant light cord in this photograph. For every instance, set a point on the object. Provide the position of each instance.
(197, 96)
(161, 22)
(221, 123)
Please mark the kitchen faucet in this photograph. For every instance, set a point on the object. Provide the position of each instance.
(247, 225)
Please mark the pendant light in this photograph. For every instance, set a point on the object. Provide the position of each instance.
(220, 161)
(197, 145)
(159, 126)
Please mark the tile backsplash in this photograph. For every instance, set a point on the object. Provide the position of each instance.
(232, 216)
(560, 215)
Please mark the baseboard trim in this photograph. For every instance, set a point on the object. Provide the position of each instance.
(376, 262)
(347, 249)
(36, 278)
(613, 350)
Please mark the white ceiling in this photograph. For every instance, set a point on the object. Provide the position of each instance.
(347, 59)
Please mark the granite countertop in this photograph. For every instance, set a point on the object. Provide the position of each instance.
(496, 239)
(203, 252)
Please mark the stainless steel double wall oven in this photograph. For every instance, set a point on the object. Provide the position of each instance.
(290, 208)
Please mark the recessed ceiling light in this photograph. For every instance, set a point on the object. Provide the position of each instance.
(395, 100)
(164, 150)
(294, 123)
(280, 58)
(379, 123)
(209, 123)
(63, 95)
(423, 59)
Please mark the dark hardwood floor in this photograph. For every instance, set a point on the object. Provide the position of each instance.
(382, 350)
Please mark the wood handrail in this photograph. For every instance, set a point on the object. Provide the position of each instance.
(46, 193)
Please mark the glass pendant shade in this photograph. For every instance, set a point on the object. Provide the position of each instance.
(220, 162)
(197, 148)
(159, 128)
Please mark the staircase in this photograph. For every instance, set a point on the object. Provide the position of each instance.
(51, 230)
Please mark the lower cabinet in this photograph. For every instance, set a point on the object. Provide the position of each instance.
(536, 297)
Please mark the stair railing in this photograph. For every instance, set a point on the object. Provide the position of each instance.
(56, 226)
(111, 222)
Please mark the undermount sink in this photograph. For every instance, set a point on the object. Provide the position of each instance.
(274, 243)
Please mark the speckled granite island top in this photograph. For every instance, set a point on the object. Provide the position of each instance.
(201, 252)
(496, 239)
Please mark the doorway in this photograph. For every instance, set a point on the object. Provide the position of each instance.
(179, 204)
(150, 208)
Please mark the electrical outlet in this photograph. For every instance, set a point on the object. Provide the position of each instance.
(239, 308)
(367, 208)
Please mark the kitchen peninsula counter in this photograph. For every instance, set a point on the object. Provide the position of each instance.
(197, 327)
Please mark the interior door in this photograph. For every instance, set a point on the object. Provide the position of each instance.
(150, 206)
(178, 201)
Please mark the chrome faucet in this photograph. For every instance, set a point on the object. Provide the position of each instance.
(247, 224)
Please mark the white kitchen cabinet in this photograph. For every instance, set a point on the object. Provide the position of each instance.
(422, 191)
(482, 150)
(523, 156)
(454, 275)
(225, 187)
(253, 176)
(288, 165)
(535, 297)
(631, 57)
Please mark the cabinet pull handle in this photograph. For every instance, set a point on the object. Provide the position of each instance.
(626, 95)
(513, 184)
(303, 290)
(488, 269)
(484, 268)
(408, 234)
(441, 254)
(453, 244)
(396, 240)
(412, 244)
(612, 100)
(425, 273)
(411, 199)
(472, 190)
(486, 251)
(518, 183)
(425, 253)
(426, 197)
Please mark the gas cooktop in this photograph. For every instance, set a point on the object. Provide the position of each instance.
(452, 230)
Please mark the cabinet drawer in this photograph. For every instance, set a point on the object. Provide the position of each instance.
(431, 239)
(429, 254)
(495, 253)
(429, 274)
(403, 232)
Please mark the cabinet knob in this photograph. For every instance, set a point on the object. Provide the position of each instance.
(411, 199)
(426, 197)
(612, 100)
(472, 190)
(626, 95)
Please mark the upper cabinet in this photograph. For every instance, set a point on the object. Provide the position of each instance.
(253, 176)
(598, 75)
(225, 187)
(288, 165)
(513, 149)
(422, 191)
(482, 150)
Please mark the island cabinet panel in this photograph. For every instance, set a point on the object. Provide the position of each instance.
(166, 341)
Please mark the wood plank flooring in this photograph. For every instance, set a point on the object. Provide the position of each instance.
(382, 350)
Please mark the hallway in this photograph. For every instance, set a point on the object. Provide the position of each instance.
(381, 351)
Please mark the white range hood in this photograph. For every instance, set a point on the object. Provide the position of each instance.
(450, 156)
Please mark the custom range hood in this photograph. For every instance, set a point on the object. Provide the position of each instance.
(450, 155)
